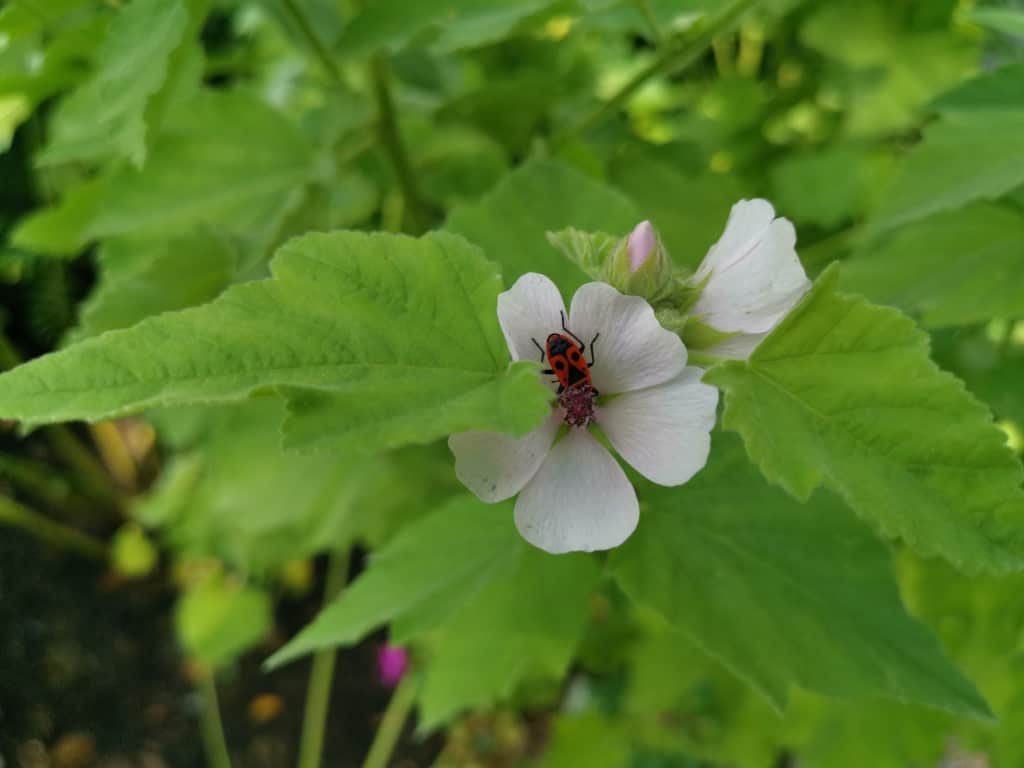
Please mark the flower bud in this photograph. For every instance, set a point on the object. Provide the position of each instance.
(640, 265)
(392, 661)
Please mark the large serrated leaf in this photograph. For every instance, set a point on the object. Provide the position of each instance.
(783, 593)
(380, 320)
(843, 393)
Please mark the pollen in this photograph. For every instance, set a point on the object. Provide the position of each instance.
(578, 403)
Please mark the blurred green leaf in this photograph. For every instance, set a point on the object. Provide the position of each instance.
(391, 24)
(1007, 20)
(60, 229)
(464, 577)
(688, 209)
(542, 196)
(104, 117)
(783, 593)
(402, 332)
(141, 278)
(235, 495)
(954, 268)
(843, 393)
(965, 156)
(219, 620)
(586, 740)
(830, 186)
(247, 164)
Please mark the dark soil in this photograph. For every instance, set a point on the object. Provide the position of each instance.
(90, 674)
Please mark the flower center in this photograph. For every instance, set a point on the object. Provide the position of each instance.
(578, 403)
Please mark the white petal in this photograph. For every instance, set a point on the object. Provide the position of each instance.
(580, 500)
(496, 466)
(634, 351)
(738, 347)
(755, 274)
(664, 431)
(529, 310)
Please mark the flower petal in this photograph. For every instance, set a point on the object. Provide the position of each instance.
(580, 500)
(663, 431)
(634, 351)
(738, 347)
(496, 466)
(529, 310)
(755, 274)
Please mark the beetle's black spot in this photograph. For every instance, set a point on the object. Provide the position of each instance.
(559, 365)
(575, 356)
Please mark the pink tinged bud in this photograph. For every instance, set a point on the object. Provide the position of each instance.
(392, 661)
(642, 242)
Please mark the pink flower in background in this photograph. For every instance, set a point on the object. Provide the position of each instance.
(642, 242)
(392, 661)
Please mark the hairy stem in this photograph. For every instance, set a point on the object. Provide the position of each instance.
(672, 58)
(390, 729)
(391, 140)
(318, 694)
(215, 745)
(49, 531)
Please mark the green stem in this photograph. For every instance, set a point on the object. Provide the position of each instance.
(318, 694)
(53, 533)
(42, 483)
(673, 58)
(652, 21)
(330, 65)
(214, 744)
(390, 729)
(391, 139)
(91, 477)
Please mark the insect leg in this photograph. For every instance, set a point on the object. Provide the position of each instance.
(578, 340)
(593, 357)
(538, 346)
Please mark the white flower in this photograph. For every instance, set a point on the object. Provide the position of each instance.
(653, 409)
(754, 277)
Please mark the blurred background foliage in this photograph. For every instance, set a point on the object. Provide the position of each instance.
(153, 152)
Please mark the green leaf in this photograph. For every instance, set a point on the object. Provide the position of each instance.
(965, 156)
(235, 495)
(689, 210)
(140, 279)
(60, 229)
(542, 196)
(404, 332)
(463, 577)
(843, 393)
(586, 740)
(220, 619)
(247, 165)
(392, 24)
(1010, 21)
(104, 118)
(783, 593)
(845, 179)
(952, 269)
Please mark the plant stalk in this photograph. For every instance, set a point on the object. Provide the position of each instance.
(56, 534)
(391, 724)
(215, 745)
(391, 140)
(321, 676)
(672, 58)
(330, 65)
